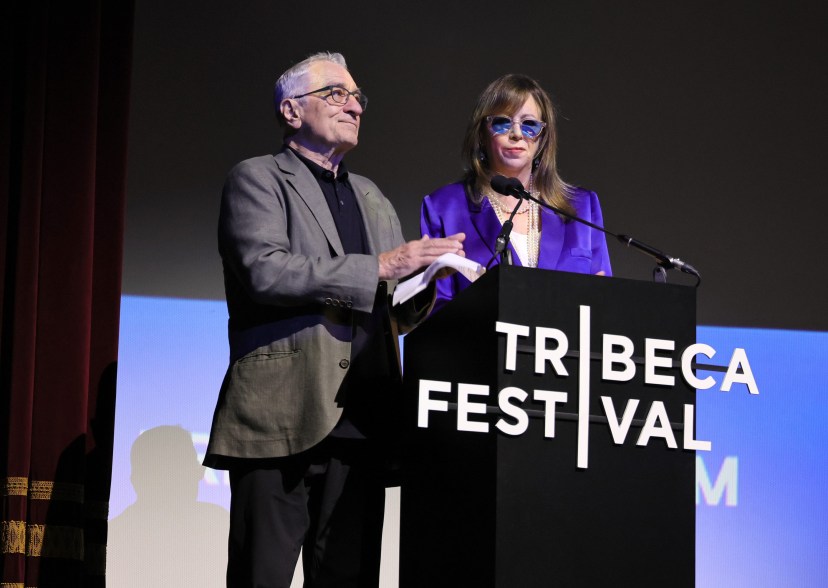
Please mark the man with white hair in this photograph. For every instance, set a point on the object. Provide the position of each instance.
(310, 252)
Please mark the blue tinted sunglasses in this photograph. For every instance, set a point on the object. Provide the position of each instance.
(529, 127)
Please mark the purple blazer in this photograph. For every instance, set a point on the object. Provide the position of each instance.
(565, 246)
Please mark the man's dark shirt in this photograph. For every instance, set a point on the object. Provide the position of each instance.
(343, 205)
(349, 224)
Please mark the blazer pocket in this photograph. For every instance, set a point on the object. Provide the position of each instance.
(580, 261)
(265, 390)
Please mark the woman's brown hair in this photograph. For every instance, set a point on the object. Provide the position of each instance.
(506, 95)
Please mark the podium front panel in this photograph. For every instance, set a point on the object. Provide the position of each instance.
(493, 509)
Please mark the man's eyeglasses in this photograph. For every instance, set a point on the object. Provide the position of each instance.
(339, 95)
(529, 127)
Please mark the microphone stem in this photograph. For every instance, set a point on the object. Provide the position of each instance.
(502, 241)
(663, 260)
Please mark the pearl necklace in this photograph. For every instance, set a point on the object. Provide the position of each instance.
(533, 223)
(497, 204)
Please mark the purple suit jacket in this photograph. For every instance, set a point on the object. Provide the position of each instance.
(565, 246)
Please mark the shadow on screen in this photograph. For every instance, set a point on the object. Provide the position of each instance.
(166, 537)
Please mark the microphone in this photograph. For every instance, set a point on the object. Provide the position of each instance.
(663, 259)
(507, 186)
(503, 238)
(513, 187)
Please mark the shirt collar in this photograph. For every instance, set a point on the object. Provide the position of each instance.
(319, 172)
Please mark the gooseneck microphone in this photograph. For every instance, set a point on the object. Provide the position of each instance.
(513, 187)
(505, 232)
(508, 186)
(663, 259)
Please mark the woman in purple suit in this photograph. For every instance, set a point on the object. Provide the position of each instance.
(512, 133)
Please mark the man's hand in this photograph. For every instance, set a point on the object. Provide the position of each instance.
(408, 258)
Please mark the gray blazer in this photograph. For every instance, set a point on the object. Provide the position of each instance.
(295, 302)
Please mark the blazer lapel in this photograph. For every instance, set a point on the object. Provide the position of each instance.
(366, 201)
(307, 189)
(487, 225)
(551, 241)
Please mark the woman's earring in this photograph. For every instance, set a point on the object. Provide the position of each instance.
(481, 155)
(535, 163)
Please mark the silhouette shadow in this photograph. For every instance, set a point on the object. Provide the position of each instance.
(166, 537)
(73, 545)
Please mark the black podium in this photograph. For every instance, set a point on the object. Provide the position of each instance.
(491, 509)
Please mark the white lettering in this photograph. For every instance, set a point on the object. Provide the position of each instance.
(612, 357)
(657, 425)
(426, 403)
(553, 356)
(512, 332)
(727, 483)
(620, 429)
(690, 429)
(465, 407)
(584, 349)
(652, 361)
(521, 423)
(739, 360)
(687, 362)
(550, 398)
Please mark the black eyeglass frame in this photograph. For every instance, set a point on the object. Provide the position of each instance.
(358, 95)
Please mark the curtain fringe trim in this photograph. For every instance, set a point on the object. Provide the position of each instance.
(42, 540)
(43, 489)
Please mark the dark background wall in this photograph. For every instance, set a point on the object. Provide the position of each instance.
(702, 126)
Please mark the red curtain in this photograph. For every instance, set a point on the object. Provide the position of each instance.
(63, 126)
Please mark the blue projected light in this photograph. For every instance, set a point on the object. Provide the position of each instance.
(172, 358)
(761, 510)
(769, 450)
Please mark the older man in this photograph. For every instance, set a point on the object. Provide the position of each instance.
(310, 252)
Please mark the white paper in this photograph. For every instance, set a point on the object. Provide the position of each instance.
(413, 286)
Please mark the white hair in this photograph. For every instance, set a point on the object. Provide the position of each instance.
(292, 82)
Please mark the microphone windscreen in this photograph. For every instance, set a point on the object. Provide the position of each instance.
(507, 186)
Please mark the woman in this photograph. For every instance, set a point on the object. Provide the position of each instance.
(512, 133)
